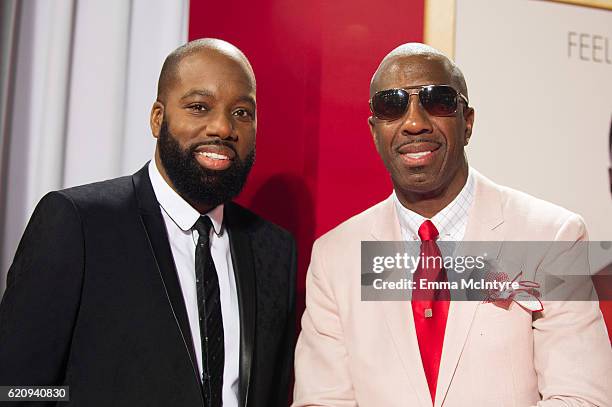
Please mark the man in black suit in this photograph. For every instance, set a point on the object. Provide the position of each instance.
(155, 289)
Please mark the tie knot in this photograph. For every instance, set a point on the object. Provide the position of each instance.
(428, 231)
(203, 226)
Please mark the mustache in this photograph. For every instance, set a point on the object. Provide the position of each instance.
(418, 140)
(214, 142)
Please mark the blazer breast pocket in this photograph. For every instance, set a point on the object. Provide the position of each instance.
(495, 326)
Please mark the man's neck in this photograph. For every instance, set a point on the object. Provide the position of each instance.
(428, 204)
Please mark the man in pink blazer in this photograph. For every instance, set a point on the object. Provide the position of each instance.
(383, 353)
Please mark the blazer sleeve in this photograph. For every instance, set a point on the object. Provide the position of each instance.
(285, 364)
(321, 369)
(41, 301)
(572, 353)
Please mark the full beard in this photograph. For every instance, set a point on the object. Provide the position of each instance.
(196, 184)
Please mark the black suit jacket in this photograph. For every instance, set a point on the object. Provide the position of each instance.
(93, 301)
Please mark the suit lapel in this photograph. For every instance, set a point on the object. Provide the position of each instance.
(157, 236)
(484, 224)
(398, 314)
(244, 272)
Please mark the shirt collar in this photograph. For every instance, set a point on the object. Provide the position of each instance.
(181, 213)
(451, 221)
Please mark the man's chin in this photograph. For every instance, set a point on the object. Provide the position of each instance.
(418, 180)
(418, 184)
(211, 194)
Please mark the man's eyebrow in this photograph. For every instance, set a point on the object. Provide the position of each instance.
(206, 93)
(197, 92)
(247, 99)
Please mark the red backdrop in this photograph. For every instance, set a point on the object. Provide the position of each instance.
(316, 163)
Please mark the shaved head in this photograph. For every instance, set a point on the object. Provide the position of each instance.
(170, 69)
(403, 55)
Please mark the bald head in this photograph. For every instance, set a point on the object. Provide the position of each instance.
(206, 46)
(416, 56)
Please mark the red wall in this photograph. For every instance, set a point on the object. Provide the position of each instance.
(316, 163)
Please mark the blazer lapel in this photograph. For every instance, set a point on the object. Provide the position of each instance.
(484, 224)
(398, 314)
(157, 236)
(244, 272)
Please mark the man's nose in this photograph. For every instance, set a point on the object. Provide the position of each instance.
(416, 119)
(220, 125)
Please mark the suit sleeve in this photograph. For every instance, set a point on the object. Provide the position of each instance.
(41, 301)
(285, 364)
(321, 369)
(572, 353)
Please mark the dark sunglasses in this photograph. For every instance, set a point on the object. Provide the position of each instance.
(437, 100)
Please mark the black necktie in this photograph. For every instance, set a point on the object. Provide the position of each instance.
(211, 322)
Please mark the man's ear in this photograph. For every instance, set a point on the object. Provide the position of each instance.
(468, 114)
(371, 123)
(157, 117)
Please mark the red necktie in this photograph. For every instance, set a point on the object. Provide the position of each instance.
(430, 307)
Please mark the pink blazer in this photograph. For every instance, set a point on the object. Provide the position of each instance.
(357, 353)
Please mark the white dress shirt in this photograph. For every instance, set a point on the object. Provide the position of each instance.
(451, 221)
(180, 217)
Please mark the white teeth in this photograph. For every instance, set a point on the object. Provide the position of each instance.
(417, 155)
(214, 155)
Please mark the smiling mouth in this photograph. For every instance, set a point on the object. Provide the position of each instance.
(214, 156)
(418, 155)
